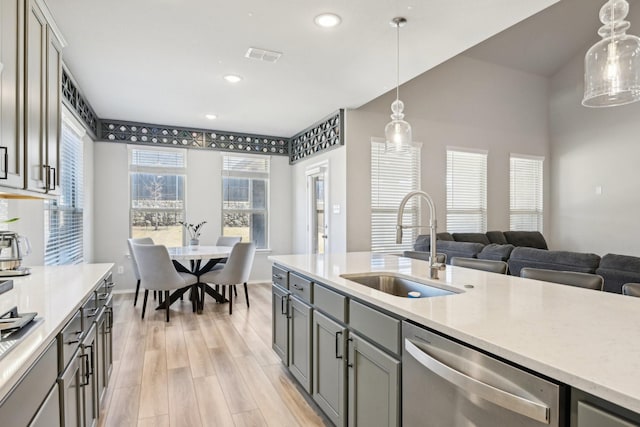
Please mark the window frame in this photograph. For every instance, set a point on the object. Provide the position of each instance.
(537, 212)
(249, 175)
(475, 210)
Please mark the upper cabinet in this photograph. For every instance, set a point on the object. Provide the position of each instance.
(30, 97)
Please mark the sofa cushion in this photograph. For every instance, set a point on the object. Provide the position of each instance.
(459, 249)
(471, 237)
(496, 252)
(552, 260)
(423, 242)
(530, 239)
(618, 270)
(496, 237)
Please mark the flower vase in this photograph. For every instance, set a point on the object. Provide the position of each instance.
(194, 242)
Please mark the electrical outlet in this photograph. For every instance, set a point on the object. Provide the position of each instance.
(120, 269)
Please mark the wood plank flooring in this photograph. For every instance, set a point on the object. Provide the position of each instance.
(212, 369)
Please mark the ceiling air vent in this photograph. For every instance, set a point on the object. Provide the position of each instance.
(263, 54)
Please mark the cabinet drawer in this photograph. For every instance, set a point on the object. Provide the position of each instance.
(300, 287)
(280, 277)
(22, 403)
(69, 340)
(378, 327)
(330, 302)
(88, 311)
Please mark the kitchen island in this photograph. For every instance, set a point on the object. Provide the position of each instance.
(56, 293)
(586, 339)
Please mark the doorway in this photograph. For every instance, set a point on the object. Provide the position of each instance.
(317, 208)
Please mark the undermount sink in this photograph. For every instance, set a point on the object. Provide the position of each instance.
(398, 285)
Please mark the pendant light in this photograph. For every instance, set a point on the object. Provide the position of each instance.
(612, 65)
(398, 131)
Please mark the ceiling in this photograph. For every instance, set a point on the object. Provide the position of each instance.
(162, 61)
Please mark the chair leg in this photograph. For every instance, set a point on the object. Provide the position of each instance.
(166, 298)
(235, 291)
(155, 294)
(230, 300)
(135, 300)
(246, 294)
(144, 302)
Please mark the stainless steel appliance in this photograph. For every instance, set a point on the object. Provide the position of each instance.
(13, 248)
(447, 384)
(14, 327)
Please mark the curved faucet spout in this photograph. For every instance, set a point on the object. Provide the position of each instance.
(433, 265)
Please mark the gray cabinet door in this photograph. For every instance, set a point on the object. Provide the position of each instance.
(374, 385)
(280, 323)
(53, 111)
(11, 90)
(108, 340)
(329, 367)
(101, 322)
(70, 397)
(300, 342)
(88, 383)
(49, 413)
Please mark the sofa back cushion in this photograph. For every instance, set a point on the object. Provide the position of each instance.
(618, 270)
(530, 239)
(496, 252)
(459, 249)
(496, 237)
(552, 260)
(423, 241)
(471, 237)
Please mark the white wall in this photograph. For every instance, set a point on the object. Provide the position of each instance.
(337, 164)
(462, 103)
(593, 147)
(203, 202)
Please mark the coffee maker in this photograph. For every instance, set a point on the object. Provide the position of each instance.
(13, 248)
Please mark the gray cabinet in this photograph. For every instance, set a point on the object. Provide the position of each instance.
(104, 344)
(88, 384)
(49, 413)
(300, 342)
(43, 70)
(70, 397)
(329, 367)
(374, 385)
(280, 322)
(11, 90)
(590, 411)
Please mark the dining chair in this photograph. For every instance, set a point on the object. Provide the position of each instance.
(158, 273)
(489, 265)
(571, 278)
(236, 270)
(440, 257)
(228, 240)
(131, 242)
(631, 289)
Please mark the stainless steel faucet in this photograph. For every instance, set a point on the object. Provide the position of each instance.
(434, 266)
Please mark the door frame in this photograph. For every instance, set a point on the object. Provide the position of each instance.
(321, 168)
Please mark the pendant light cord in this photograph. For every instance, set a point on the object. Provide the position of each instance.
(397, 61)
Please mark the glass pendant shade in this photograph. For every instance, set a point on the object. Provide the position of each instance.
(612, 65)
(397, 131)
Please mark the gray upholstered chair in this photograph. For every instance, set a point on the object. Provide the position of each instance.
(440, 258)
(491, 266)
(158, 273)
(131, 242)
(631, 289)
(228, 240)
(236, 270)
(571, 278)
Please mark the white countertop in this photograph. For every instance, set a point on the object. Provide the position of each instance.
(55, 293)
(584, 338)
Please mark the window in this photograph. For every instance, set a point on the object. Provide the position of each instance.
(525, 212)
(466, 191)
(157, 179)
(63, 227)
(394, 173)
(245, 198)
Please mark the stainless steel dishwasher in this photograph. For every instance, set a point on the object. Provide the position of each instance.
(447, 384)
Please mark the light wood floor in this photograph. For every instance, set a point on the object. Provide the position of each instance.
(201, 370)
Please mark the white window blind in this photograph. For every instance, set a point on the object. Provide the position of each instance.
(157, 180)
(245, 198)
(466, 191)
(63, 217)
(526, 193)
(394, 173)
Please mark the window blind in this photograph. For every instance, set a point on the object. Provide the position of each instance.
(64, 217)
(526, 193)
(394, 173)
(466, 191)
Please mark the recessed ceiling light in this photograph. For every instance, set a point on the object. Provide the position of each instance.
(232, 78)
(327, 20)
(211, 116)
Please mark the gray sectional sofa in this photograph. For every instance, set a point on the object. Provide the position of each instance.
(529, 249)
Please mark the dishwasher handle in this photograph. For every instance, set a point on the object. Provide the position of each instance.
(512, 402)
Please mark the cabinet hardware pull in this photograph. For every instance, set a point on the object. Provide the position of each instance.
(72, 342)
(338, 356)
(46, 177)
(277, 277)
(5, 163)
(49, 187)
(298, 287)
(282, 305)
(349, 364)
(85, 382)
(103, 296)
